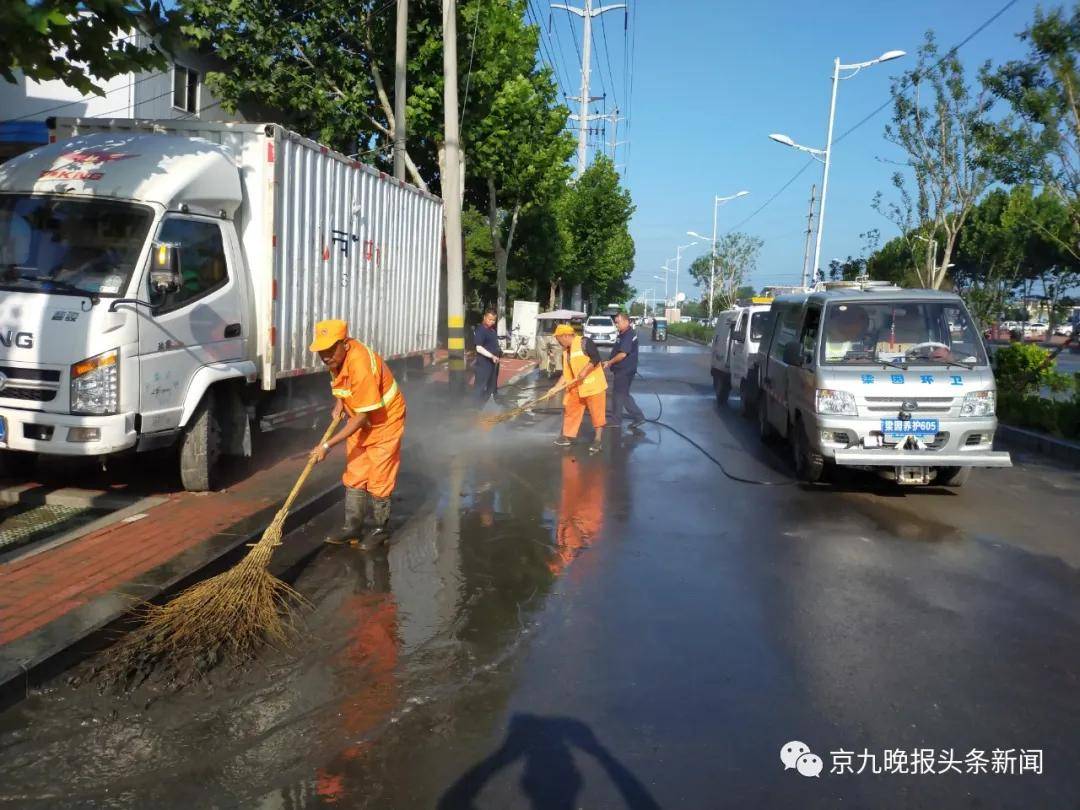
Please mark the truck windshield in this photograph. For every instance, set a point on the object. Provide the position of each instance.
(51, 244)
(912, 332)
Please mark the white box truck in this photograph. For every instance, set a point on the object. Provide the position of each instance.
(160, 281)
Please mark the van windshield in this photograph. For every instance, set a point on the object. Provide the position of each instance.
(759, 322)
(913, 332)
(51, 244)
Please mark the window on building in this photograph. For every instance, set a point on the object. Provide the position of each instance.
(185, 89)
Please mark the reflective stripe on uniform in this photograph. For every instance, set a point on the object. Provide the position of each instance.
(341, 393)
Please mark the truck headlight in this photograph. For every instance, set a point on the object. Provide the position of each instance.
(95, 385)
(979, 403)
(835, 402)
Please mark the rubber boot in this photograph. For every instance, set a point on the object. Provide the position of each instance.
(356, 504)
(381, 516)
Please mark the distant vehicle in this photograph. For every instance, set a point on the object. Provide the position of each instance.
(735, 351)
(634, 320)
(659, 329)
(548, 350)
(1065, 329)
(600, 329)
(685, 319)
(1034, 327)
(646, 321)
(872, 377)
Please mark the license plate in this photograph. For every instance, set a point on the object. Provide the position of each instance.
(920, 428)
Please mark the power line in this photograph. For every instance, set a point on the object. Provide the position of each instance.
(472, 52)
(948, 54)
(951, 52)
(607, 59)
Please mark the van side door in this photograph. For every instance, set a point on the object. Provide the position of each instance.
(802, 384)
(775, 380)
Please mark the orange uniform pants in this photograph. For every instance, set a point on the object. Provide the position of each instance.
(574, 409)
(372, 461)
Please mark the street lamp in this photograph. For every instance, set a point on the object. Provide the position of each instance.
(664, 279)
(678, 263)
(825, 155)
(717, 202)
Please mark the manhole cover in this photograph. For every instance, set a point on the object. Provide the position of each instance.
(20, 525)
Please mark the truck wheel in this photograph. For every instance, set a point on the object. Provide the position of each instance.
(766, 432)
(200, 448)
(953, 476)
(722, 387)
(809, 464)
(14, 464)
(746, 402)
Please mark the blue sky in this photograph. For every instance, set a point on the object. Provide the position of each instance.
(711, 80)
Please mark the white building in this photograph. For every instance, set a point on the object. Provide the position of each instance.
(175, 91)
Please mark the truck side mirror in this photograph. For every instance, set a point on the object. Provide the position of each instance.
(165, 268)
(793, 354)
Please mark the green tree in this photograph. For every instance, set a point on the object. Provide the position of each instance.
(1042, 145)
(936, 121)
(76, 42)
(596, 212)
(736, 258)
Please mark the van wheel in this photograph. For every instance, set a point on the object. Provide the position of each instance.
(766, 432)
(18, 465)
(722, 387)
(809, 465)
(200, 449)
(953, 476)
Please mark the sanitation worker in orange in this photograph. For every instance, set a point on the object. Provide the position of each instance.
(367, 394)
(586, 387)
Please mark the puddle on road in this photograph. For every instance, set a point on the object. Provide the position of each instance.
(484, 536)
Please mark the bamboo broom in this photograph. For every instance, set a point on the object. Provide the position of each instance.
(231, 615)
(489, 421)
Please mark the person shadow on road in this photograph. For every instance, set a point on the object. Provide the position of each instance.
(551, 779)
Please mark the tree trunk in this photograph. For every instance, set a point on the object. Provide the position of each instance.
(551, 294)
(500, 249)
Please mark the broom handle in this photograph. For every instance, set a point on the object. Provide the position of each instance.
(308, 467)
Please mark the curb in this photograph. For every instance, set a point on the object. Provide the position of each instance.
(525, 372)
(1062, 450)
(22, 656)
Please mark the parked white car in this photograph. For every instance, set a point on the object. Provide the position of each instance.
(600, 329)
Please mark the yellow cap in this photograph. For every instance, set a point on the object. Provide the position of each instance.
(564, 329)
(327, 333)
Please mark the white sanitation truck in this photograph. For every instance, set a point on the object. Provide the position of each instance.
(160, 281)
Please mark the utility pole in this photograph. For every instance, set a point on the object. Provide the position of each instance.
(400, 65)
(451, 191)
(587, 12)
(614, 143)
(809, 230)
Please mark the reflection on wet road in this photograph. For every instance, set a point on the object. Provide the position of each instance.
(632, 630)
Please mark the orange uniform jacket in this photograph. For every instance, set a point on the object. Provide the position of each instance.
(366, 385)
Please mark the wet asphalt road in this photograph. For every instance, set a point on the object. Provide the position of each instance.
(553, 630)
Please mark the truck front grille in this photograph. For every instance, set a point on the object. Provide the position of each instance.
(894, 404)
(29, 384)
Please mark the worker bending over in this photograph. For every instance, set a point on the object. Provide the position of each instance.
(586, 387)
(368, 395)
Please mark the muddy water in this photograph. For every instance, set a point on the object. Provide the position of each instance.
(478, 548)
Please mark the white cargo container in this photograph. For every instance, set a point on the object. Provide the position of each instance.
(269, 233)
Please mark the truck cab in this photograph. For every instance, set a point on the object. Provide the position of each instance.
(880, 378)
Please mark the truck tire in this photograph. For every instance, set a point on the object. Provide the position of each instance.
(766, 432)
(954, 477)
(809, 465)
(722, 387)
(200, 448)
(17, 465)
(746, 398)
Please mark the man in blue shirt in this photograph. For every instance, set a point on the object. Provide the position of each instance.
(488, 352)
(623, 365)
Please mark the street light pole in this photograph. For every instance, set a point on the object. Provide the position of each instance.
(717, 202)
(825, 155)
(825, 173)
(678, 264)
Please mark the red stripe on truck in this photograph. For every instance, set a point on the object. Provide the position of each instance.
(269, 151)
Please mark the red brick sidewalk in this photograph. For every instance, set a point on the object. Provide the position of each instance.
(36, 590)
(509, 368)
